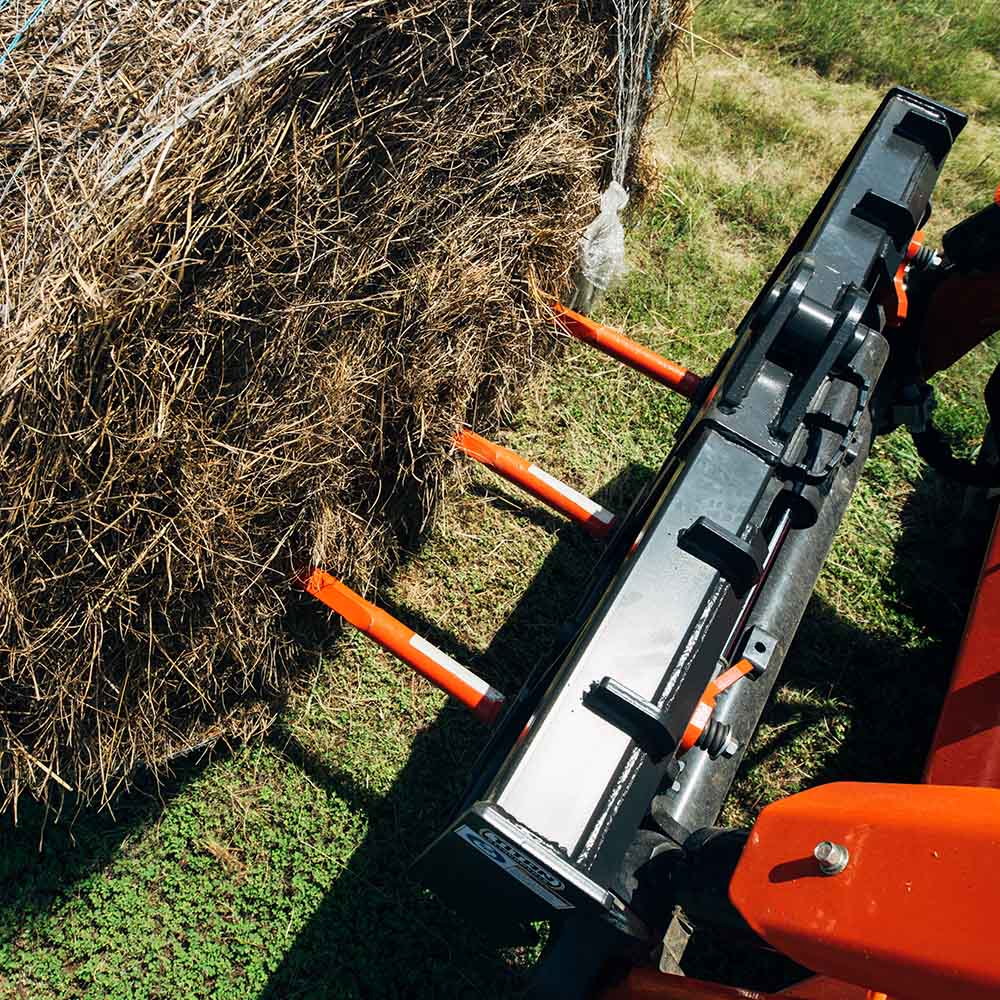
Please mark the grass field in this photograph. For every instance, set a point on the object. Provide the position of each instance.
(280, 869)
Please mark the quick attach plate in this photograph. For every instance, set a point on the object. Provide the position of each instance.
(566, 787)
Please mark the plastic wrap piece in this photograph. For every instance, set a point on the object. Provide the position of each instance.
(602, 248)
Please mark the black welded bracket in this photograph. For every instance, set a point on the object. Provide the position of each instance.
(759, 647)
(633, 715)
(930, 131)
(740, 562)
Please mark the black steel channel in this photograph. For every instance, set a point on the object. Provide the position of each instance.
(778, 610)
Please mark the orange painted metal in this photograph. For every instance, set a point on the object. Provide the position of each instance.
(825, 988)
(898, 304)
(966, 747)
(628, 351)
(440, 669)
(963, 312)
(912, 914)
(650, 984)
(706, 704)
(591, 515)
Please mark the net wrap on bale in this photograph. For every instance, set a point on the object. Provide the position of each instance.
(258, 260)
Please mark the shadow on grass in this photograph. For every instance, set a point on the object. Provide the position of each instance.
(891, 693)
(377, 933)
(51, 850)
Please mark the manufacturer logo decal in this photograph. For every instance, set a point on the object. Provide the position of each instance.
(517, 864)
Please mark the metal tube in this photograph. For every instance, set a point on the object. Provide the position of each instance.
(484, 701)
(594, 518)
(627, 351)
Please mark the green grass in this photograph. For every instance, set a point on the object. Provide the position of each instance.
(946, 48)
(280, 870)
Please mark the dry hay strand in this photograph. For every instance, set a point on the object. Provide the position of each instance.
(259, 260)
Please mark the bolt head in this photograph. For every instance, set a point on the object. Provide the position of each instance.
(729, 750)
(831, 857)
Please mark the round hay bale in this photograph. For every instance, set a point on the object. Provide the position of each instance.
(259, 261)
